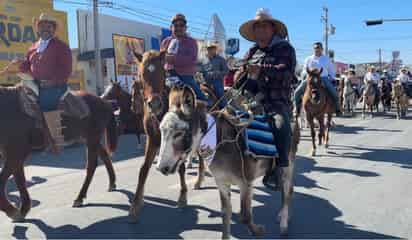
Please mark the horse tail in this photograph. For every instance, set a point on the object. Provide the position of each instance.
(111, 134)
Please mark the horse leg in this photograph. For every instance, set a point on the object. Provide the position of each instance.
(200, 173)
(246, 215)
(364, 107)
(137, 202)
(20, 180)
(91, 162)
(182, 201)
(328, 125)
(321, 133)
(5, 205)
(104, 156)
(226, 206)
(286, 194)
(313, 135)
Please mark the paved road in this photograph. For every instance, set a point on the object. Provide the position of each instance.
(359, 188)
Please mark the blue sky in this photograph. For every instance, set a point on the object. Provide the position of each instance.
(353, 41)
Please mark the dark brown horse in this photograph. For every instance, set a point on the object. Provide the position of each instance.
(155, 94)
(317, 102)
(18, 136)
(130, 119)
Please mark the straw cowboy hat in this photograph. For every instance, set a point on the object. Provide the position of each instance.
(45, 17)
(212, 45)
(370, 67)
(262, 15)
(404, 68)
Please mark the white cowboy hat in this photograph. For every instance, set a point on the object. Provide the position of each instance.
(212, 45)
(404, 68)
(262, 15)
(44, 17)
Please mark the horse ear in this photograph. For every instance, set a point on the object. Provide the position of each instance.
(188, 101)
(320, 72)
(138, 56)
(308, 70)
(162, 56)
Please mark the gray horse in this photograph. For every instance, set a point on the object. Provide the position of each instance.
(182, 128)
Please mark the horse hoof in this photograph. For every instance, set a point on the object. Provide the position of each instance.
(326, 145)
(258, 230)
(225, 236)
(77, 203)
(16, 217)
(313, 153)
(197, 186)
(112, 187)
(182, 202)
(284, 231)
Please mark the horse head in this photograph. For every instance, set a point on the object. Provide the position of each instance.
(314, 84)
(152, 77)
(181, 129)
(115, 92)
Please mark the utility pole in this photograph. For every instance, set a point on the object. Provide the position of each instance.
(380, 59)
(325, 20)
(97, 57)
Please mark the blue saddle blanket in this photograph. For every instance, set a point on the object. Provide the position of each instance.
(258, 136)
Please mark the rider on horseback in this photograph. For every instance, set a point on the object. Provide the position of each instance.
(373, 77)
(319, 61)
(49, 63)
(354, 81)
(403, 77)
(214, 68)
(181, 56)
(272, 85)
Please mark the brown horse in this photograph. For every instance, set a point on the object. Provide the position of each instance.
(369, 99)
(317, 102)
(130, 119)
(182, 128)
(18, 136)
(155, 93)
(401, 99)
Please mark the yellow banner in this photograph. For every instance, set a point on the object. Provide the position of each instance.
(17, 31)
(126, 64)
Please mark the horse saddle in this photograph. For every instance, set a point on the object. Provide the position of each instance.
(258, 136)
(31, 97)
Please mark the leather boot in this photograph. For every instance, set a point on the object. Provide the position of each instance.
(273, 179)
(54, 127)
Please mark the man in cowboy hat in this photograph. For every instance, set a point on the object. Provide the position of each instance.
(49, 62)
(403, 77)
(371, 76)
(214, 68)
(181, 56)
(319, 61)
(270, 66)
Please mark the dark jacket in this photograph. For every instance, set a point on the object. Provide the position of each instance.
(275, 85)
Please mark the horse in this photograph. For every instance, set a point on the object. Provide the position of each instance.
(349, 96)
(401, 99)
(19, 135)
(130, 119)
(317, 102)
(156, 104)
(187, 119)
(386, 95)
(369, 99)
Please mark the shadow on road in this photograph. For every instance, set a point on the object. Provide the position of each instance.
(75, 156)
(15, 198)
(397, 155)
(313, 217)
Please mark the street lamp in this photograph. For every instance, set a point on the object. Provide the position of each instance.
(380, 21)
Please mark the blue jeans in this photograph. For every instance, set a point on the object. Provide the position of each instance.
(219, 91)
(49, 98)
(300, 90)
(190, 81)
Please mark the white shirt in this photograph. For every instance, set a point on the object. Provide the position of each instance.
(43, 45)
(315, 62)
(403, 78)
(374, 77)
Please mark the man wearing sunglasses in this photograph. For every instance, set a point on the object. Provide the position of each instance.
(181, 57)
(319, 61)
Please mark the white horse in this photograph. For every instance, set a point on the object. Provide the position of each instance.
(349, 97)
